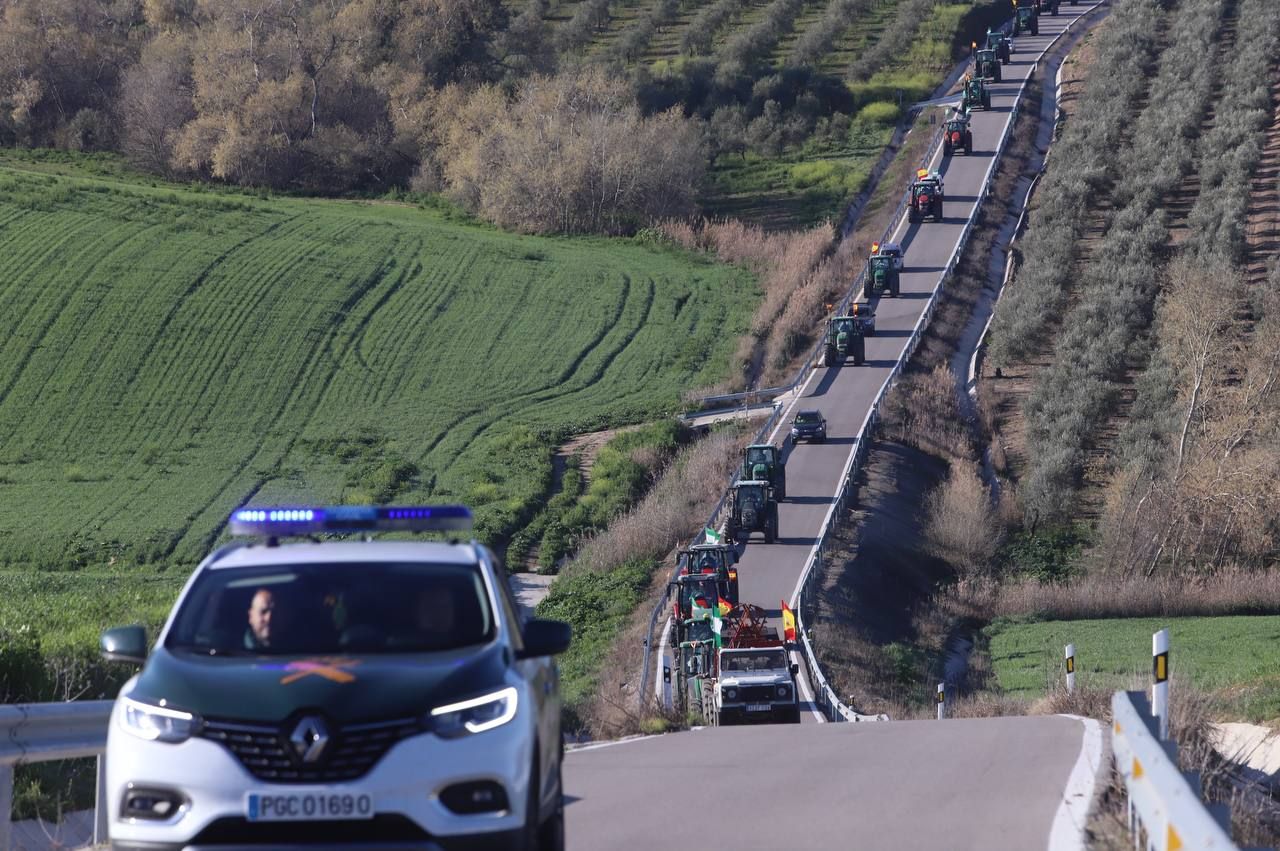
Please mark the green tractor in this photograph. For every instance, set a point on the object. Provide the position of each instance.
(846, 338)
(1026, 19)
(976, 94)
(1001, 44)
(926, 197)
(753, 508)
(986, 66)
(696, 674)
(762, 462)
(957, 134)
(882, 274)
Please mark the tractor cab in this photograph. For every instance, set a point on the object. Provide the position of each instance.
(956, 134)
(754, 508)
(882, 273)
(926, 197)
(1026, 20)
(692, 588)
(711, 560)
(763, 462)
(975, 94)
(986, 66)
(1001, 44)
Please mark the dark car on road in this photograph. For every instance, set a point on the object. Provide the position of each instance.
(809, 425)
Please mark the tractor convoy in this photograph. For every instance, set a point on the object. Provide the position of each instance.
(729, 665)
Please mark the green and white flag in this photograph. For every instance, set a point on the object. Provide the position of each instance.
(713, 537)
(717, 623)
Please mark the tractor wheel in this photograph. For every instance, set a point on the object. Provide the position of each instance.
(968, 144)
(1004, 60)
(986, 100)
(867, 286)
(859, 350)
(895, 286)
(912, 218)
(1035, 28)
(829, 356)
(731, 531)
(708, 706)
(770, 533)
(999, 78)
(782, 489)
(946, 148)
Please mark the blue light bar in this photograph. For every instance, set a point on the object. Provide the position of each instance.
(282, 522)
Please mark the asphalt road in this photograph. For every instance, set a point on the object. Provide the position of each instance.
(769, 573)
(989, 783)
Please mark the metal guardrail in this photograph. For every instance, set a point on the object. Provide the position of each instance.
(1164, 805)
(45, 732)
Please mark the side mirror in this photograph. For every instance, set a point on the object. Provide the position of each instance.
(795, 668)
(125, 644)
(545, 638)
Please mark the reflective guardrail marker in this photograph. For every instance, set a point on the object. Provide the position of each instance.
(1160, 686)
(942, 701)
(1071, 668)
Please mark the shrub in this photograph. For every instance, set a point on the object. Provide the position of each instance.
(880, 112)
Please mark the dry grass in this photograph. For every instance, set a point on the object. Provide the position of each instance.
(961, 526)
(1090, 597)
(790, 268)
(673, 510)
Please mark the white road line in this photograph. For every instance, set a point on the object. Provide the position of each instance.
(803, 681)
(598, 745)
(1067, 833)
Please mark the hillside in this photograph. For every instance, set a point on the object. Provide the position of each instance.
(168, 354)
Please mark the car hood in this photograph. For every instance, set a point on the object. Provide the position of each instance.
(347, 688)
(757, 679)
(807, 427)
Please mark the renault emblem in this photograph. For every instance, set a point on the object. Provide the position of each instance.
(309, 739)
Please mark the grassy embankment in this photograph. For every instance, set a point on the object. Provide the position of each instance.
(1237, 659)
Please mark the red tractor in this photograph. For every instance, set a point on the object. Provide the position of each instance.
(957, 135)
(926, 197)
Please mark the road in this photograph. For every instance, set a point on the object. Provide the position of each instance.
(982, 783)
(990, 783)
(770, 573)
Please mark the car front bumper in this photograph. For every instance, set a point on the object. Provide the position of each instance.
(405, 787)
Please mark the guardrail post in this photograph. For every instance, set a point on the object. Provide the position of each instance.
(1071, 668)
(6, 806)
(1160, 686)
(100, 804)
(942, 701)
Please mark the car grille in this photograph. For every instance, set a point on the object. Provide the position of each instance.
(265, 751)
(755, 694)
(384, 827)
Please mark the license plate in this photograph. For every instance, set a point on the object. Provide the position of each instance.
(307, 806)
(758, 707)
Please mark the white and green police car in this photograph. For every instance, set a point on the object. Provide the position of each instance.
(343, 694)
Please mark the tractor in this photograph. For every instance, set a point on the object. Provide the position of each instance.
(986, 66)
(926, 197)
(762, 462)
(957, 134)
(1050, 6)
(1025, 19)
(1001, 44)
(753, 508)
(882, 274)
(846, 337)
(976, 94)
(716, 560)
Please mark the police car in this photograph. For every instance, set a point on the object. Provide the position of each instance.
(349, 694)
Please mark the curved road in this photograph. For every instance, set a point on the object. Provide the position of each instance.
(982, 783)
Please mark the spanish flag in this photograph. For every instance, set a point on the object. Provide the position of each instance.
(788, 623)
(723, 606)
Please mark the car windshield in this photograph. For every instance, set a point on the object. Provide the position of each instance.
(757, 660)
(315, 609)
(804, 418)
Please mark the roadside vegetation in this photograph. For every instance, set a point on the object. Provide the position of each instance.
(170, 354)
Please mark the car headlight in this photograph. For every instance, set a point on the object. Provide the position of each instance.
(784, 691)
(157, 723)
(475, 715)
(731, 694)
(795, 430)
